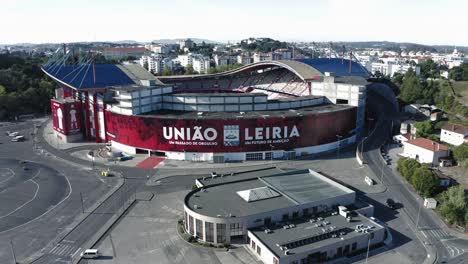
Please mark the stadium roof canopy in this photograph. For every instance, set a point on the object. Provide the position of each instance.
(88, 76)
(338, 66)
(306, 69)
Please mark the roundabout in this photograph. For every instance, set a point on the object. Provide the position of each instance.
(28, 190)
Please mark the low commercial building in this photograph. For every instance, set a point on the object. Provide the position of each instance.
(454, 134)
(285, 217)
(425, 151)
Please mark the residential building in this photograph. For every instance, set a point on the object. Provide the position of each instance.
(156, 63)
(120, 53)
(258, 57)
(200, 63)
(425, 151)
(244, 58)
(224, 59)
(185, 43)
(390, 68)
(454, 134)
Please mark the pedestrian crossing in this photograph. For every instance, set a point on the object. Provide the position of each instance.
(64, 249)
(437, 233)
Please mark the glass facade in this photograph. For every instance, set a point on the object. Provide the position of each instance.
(190, 225)
(236, 229)
(220, 233)
(209, 230)
(199, 225)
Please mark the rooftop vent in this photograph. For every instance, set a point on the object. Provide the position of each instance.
(268, 231)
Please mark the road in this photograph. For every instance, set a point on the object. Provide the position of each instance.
(439, 241)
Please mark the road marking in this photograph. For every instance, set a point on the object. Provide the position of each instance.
(424, 234)
(75, 252)
(34, 197)
(68, 241)
(12, 174)
(52, 208)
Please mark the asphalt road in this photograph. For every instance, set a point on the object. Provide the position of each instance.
(437, 239)
(19, 202)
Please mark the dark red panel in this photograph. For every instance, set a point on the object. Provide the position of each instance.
(225, 135)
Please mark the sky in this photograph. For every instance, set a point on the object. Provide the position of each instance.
(432, 22)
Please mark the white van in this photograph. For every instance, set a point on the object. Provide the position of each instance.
(90, 254)
(17, 139)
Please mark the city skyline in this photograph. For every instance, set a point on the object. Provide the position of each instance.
(143, 21)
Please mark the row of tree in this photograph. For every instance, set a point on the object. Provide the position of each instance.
(420, 91)
(423, 179)
(24, 89)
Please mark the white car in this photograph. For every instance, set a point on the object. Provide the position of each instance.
(90, 254)
(13, 134)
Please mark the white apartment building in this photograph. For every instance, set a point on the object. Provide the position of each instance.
(200, 63)
(156, 63)
(244, 59)
(224, 59)
(454, 134)
(389, 69)
(185, 43)
(258, 57)
(425, 151)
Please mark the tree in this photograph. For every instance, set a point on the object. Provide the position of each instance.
(189, 69)
(166, 71)
(2, 90)
(411, 88)
(425, 181)
(424, 128)
(453, 205)
(460, 153)
(406, 167)
(145, 65)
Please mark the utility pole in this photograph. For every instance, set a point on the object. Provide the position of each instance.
(419, 210)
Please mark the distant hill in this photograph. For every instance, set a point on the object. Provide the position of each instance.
(389, 45)
(173, 41)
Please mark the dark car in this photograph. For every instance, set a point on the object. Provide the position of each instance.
(391, 204)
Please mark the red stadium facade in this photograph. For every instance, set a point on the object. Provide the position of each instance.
(228, 135)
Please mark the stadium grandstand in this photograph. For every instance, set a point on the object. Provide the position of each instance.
(266, 110)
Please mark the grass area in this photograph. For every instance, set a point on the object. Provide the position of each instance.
(461, 88)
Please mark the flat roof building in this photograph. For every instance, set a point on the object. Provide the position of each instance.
(239, 208)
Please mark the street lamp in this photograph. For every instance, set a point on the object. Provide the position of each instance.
(339, 144)
(271, 154)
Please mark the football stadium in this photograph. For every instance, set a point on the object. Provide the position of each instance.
(267, 110)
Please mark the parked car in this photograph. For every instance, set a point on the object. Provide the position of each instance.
(18, 139)
(391, 204)
(13, 134)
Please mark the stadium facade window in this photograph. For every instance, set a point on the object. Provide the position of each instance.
(254, 156)
(220, 233)
(209, 232)
(199, 225)
(236, 229)
(190, 224)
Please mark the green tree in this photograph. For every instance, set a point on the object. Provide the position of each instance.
(425, 181)
(2, 90)
(411, 88)
(424, 128)
(407, 167)
(166, 71)
(429, 69)
(453, 205)
(460, 153)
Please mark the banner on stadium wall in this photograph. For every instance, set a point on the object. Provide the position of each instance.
(230, 135)
(66, 117)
